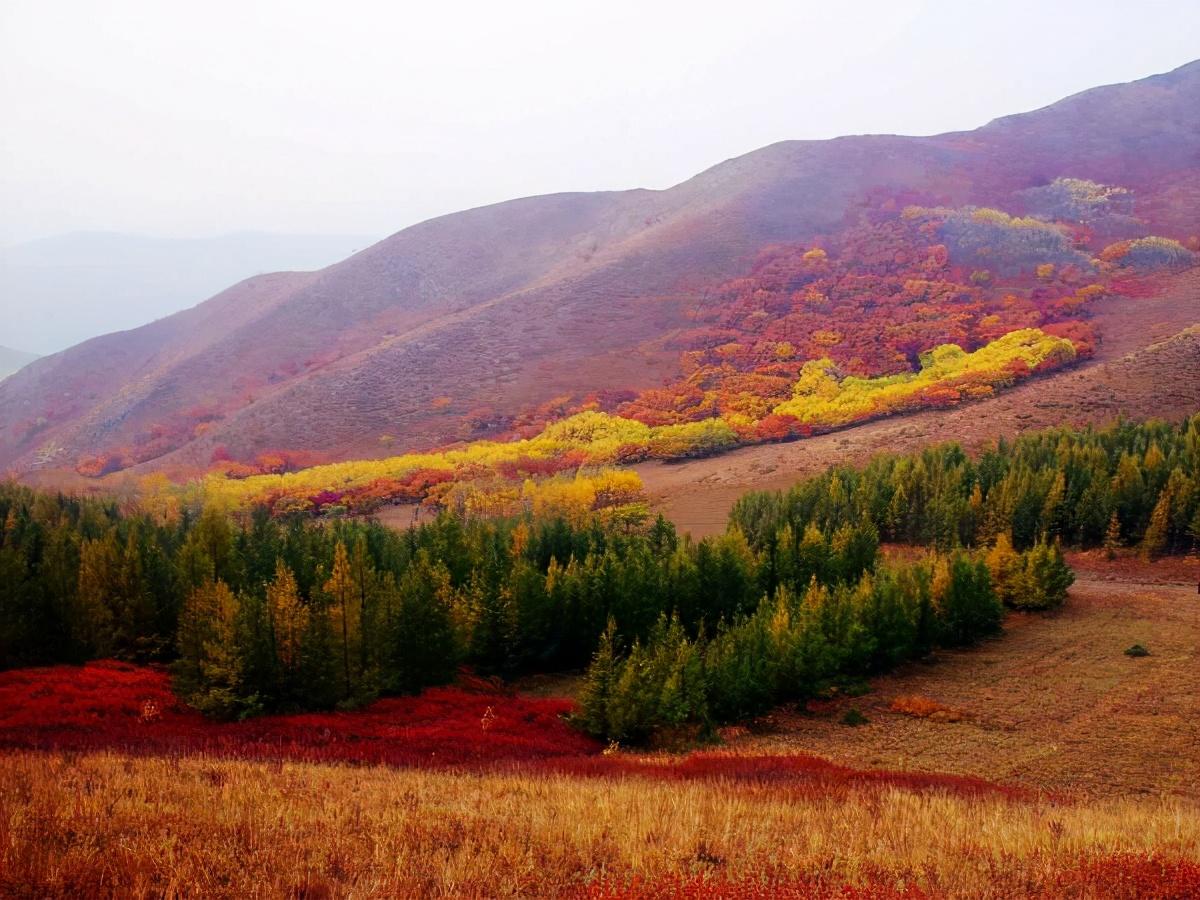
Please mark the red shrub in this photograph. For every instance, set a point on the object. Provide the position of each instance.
(476, 723)
(111, 705)
(724, 887)
(1137, 287)
(1127, 876)
(797, 773)
(777, 427)
(541, 467)
(102, 464)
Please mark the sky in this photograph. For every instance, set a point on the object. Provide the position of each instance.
(195, 119)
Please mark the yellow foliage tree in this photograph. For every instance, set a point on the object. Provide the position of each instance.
(289, 616)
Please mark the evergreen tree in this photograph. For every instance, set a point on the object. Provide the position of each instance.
(1154, 541)
(340, 589)
(288, 617)
(1112, 536)
(1004, 567)
(209, 671)
(1043, 579)
(598, 685)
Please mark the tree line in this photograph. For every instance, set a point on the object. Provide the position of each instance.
(1128, 485)
(259, 613)
(792, 646)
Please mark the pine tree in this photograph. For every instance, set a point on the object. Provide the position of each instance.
(421, 646)
(970, 608)
(209, 670)
(1112, 536)
(288, 616)
(365, 587)
(99, 575)
(1004, 566)
(1053, 511)
(1154, 541)
(340, 588)
(598, 684)
(136, 625)
(1043, 578)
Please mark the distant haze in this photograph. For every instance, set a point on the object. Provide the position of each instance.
(358, 117)
(59, 291)
(12, 360)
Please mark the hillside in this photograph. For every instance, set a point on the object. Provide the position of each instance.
(12, 360)
(1150, 365)
(470, 325)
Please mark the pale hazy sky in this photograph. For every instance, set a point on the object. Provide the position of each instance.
(173, 118)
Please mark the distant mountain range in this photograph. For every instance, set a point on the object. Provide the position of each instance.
(61, 290)
(457, 326)
(11, 360)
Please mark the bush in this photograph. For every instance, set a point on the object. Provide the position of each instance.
(1034, 580)
(1137, 650)
(854, 718)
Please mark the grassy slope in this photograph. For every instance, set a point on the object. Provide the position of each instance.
(511, 305)
(107, 825)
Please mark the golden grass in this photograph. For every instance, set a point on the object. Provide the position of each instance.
(108, 825)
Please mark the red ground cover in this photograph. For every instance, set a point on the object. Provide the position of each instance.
(118, 706)
(724, 888)
(112, 705)
(1120, 876)
(1128, 876)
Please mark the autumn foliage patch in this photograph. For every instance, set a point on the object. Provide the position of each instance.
(110, 705)
(118, 706)
(893, 313)
(1118, 876)
(923, 708)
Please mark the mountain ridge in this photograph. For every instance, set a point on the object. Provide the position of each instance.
(501, 307)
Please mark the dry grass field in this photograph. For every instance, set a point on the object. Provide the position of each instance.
(107, 825)
(1089, 761)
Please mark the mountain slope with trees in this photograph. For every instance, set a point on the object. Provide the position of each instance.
(458, 327)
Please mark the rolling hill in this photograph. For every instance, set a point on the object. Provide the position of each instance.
(455, 328)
